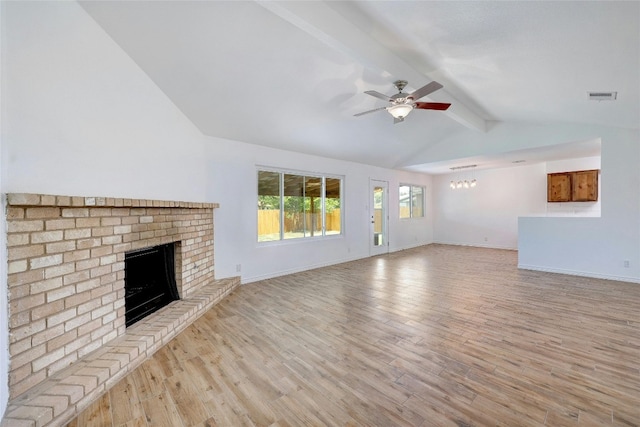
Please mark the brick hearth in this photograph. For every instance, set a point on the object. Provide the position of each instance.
(67, 336)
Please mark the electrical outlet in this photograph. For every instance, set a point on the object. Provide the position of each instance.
(238, 268)
(626, 263)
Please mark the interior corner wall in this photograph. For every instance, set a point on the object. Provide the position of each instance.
(487, 215)
(4, 304)
(82, 119)
(233, 183)
(79, 118)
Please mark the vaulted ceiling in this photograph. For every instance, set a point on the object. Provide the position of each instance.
(291, 75)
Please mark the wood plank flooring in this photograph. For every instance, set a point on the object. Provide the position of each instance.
(432, 336)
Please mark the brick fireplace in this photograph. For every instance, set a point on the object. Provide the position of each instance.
(66, 260)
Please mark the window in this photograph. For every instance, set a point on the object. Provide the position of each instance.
(293, 205)
(411, 199)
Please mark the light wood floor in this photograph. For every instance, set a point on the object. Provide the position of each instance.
(433, 336)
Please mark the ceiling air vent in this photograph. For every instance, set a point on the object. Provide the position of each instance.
(455, 168)
(602, 96)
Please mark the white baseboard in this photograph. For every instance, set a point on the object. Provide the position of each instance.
(252, 279)
(404, 248)
(319, 265)
(579, 273)
(475, 245)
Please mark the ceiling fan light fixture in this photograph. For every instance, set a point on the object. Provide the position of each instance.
(400, 111)
(403, 103)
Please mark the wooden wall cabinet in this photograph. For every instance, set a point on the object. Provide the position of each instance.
(584, 186)
(559, 187)
(578, 186)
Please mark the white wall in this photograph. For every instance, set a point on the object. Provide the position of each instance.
(233, 184)
(82, 119)
(594, 247)
(487, 215)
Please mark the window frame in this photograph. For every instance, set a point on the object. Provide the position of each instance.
(305, 175)
(410, 201)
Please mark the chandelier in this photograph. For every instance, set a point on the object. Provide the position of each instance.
(463, 184)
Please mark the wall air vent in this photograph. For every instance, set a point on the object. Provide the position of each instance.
(602, 96)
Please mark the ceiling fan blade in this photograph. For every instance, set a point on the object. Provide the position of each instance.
(370, 111)
(378, 95)
(432, 106)
(425, 90)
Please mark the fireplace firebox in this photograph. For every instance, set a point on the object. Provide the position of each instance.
(150, 281)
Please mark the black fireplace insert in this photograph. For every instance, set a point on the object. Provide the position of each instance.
(150, 281)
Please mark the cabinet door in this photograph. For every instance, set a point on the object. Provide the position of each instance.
(559, 187)
(585, 186)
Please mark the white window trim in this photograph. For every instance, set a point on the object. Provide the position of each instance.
(323, 176)
(411, 187)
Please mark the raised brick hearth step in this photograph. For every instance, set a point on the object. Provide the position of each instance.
(61, 397)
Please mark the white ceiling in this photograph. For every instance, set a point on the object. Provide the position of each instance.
(291, 75)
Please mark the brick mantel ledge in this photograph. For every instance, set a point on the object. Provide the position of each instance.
(27, 199)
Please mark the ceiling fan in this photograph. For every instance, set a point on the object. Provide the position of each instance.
(401, 104)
